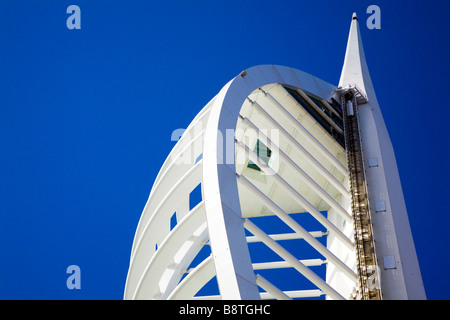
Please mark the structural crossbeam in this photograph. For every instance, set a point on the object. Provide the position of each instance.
(295, 195)
(296, 227)
(294, 262)
(310, 138)
(305, 177)
(308, 157)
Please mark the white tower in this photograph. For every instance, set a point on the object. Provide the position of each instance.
(271, 146)
(400, 274)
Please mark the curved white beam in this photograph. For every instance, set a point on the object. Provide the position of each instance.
(232, 260)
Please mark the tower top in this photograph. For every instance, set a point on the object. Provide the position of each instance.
(355, 70)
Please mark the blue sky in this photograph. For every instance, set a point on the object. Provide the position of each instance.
(86, 117)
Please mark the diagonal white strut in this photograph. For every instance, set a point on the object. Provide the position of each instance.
(294, 194)
(296, 227)
(294, 262)
(308, 157)
(306, 178)
(309, 137)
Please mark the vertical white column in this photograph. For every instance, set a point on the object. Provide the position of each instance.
(234, 270)
(392, 233)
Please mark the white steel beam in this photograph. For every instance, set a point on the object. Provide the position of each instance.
(271, 289)
(284, 264)
(294, 143)
(194, 281)
(295, 294)
(319, 110)
(266, 296)
(297, 228)
(294, 262)
(234, 272)
(172, 171)
(294, 194)
(288, 236)
(191, 228)
(306, 134)
(187, 182)
(305, 177)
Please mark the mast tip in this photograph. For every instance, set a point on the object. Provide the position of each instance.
(355, 17)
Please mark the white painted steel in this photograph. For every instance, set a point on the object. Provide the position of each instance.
(295, 195)
(271, 289)
(266, 296)
(330, 157)
(289, 258)
(305, 174)
(157, 274)
(306, 178)
(308, 157)
(284, 264)
(392, 233)
(298, 229)
(194, 281)
(288, 236)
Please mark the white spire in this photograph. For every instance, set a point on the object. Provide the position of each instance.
(355, 70)
(393, 238)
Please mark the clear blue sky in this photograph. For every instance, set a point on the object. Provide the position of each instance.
(86, 117)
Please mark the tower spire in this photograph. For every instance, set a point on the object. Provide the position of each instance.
(396, 260)
(355, 70)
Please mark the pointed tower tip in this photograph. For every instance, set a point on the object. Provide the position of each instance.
(355, 71)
